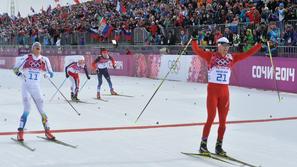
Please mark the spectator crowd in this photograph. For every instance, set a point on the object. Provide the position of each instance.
(157, 22)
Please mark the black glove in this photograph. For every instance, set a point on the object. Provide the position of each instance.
(18, 74)
(88, 77)
(194, 35)
(67, 76)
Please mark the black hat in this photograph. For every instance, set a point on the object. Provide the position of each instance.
(102, 50)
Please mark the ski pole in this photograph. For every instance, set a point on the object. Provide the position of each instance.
(273, 71)
(63, 96)
(57, 90)
(163, 80)
(83, 85)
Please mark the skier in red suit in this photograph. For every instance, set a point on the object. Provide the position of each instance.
(219, 72)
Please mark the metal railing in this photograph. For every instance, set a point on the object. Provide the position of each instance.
(280, 51)
(285, 51)
(139, 35)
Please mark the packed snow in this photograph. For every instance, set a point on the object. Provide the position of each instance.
(180, 104)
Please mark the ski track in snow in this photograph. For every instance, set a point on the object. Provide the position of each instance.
(261, 130)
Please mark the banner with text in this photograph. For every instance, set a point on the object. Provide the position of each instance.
(257, 72)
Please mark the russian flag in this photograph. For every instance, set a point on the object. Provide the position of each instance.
(94, 34)
(121, 8)
(128, 35)
(117, 34)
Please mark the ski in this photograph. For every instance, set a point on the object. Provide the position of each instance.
(57, 142)
(21, 143)
(210, 156)
(118, 95)
(79, 101)
(227, 157)
(101, 100)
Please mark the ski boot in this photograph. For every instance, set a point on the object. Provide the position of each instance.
(219, 149)
(49, 135)
(98, 95)
(203, 147)
(75, 97)
(112, 92)
(20, 134)
(72, 96)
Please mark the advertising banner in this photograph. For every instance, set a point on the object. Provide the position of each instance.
(257, 72)
(254, 72)
(180, 70)
(121, 64)
(141, 65)
(7, 62)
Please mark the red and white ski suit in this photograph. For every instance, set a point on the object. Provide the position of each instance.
(219, 72)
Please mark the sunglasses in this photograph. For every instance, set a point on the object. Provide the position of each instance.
(37, 48)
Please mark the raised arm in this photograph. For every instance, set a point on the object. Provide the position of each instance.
(200, 52)
(240, 56)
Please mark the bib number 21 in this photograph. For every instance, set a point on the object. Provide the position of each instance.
(221, 77)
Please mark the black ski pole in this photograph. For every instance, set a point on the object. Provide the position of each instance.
(163, 80)
(63, 96)
(57, 90)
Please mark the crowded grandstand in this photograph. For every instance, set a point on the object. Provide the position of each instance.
(158, 22)
(146, 83)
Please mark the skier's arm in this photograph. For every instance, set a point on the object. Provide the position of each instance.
(200, 52)
(95, 62)
(48, 67)
(113, 62)
(66, 69)
(19, 65)
(86, 71)
(250, 52)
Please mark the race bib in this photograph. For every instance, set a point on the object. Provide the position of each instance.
(219, 75)
(74, 70)
(103, 65)
(33, 75)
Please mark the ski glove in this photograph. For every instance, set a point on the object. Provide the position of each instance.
(17, 72)
(49, 75)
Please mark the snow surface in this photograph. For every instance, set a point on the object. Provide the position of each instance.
(269, 144)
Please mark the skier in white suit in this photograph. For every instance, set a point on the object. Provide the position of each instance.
(31, 68)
